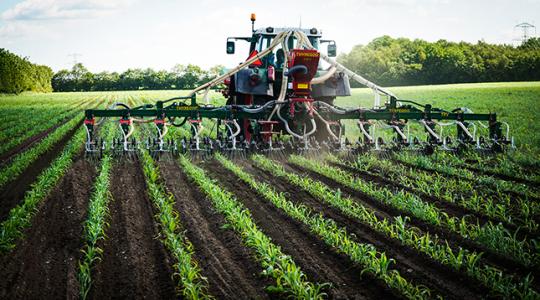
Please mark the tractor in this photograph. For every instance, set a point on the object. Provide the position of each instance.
(283, 99)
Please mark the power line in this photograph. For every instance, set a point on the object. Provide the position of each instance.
(525, 27)
(75, 56)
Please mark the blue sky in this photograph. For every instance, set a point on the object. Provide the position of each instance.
(118, 34)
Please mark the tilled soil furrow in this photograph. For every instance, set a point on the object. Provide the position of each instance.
(453, 239)
(135, 264)
(45, 262)
(315, 258)
(14, 191)
(412, 264)
(230, 267)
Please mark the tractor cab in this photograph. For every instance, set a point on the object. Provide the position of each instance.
(262, 39)
(279, 53)
(261, 82)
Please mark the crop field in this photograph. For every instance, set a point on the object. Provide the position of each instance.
(402, 225)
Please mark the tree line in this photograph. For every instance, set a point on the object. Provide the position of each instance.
(79, 78)
(401, 61)
(385, 60)
(18, 74)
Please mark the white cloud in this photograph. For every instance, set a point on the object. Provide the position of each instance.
(120, 34)
(16, 30)
(61, 9)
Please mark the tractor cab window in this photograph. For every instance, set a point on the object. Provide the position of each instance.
(263, 42)
(280, 59)
(277, 57)
(314, 41)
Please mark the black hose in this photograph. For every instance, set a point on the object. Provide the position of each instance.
(178, 125)
(295, 69)
(410, 101)
(258, 109)
(122, 104)
(176, 98)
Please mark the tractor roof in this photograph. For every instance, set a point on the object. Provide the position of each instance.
(313, 32)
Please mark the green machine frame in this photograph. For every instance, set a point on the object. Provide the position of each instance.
(391, 113)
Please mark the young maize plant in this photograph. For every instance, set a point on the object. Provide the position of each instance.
(41, 120)
(192, 285)
(494, 237)
(516, 212)
(500, 186)
(288, 276)
(24, 159)
(95, 225)
(20, 217)
(366, 255)
(524, 161)
(501, 165)
(463, 260)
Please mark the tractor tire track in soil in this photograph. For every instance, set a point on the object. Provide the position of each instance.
(454, 240)
(318, 261)
(419, 268)
(45, 261)
(135, 264)
(229, 266)
(14, 191)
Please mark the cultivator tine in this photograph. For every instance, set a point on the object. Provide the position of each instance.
(308, 147)
(366, 139)
(277, 154)
(237, 153)
(159, 147)
(385, 154)
(125, 147)
(269, 145)
(198, 148)
(94, 150)
(401, 139)
(230, 143)
(93, 146)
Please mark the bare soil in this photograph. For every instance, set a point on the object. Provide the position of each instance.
(455, 241)
(135, 263)
(229, 266)
(315, 258)
(44, 263)
(417, 267)
(13, 192)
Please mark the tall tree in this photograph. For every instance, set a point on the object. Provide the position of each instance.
(18, 74)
